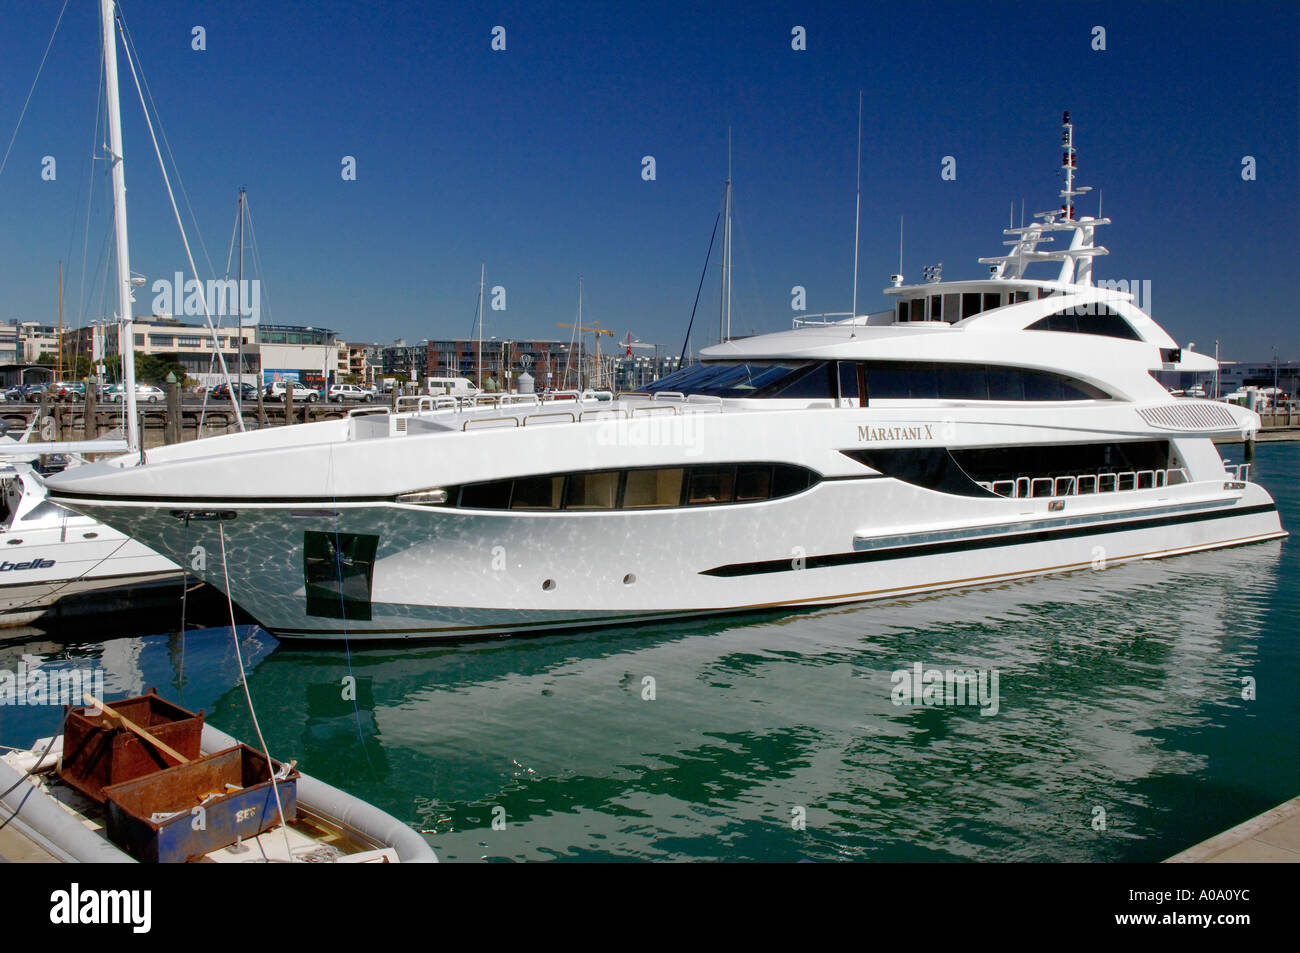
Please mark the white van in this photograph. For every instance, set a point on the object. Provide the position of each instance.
(449, 386)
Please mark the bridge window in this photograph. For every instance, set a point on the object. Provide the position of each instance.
(1094, 318)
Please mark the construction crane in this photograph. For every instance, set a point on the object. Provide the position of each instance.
(596, 331)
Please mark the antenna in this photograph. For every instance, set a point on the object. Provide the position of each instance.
(857, 215)
(1067, 164)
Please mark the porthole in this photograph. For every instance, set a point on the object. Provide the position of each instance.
(548, 585)
(629, 579)
(13, 542)
(90, 535)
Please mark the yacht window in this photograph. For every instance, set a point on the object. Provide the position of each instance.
(1006, 383)
(902, 311)
(965, 382)
(642, 488)
(936, 307)
(1063, 460)
(486, 496)
(645, 488)
(887, 380)
(788, 479)
(711, 485)
(753, 483)
(923, 383)
(745, 379)
(970, 304)
(848, 372)
(930, 467)
(537, 493)
(952, 308)
(1093, 318)
(592, 491)
(929, 380)
(992, 300)
(1017, 296)
(816, 380)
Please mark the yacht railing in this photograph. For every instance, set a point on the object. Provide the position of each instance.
(820, 320)
(1238, 471)
(485, 411)
(1087, 484)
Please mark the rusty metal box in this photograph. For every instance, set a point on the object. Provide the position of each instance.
(189, 810)
(96, 754)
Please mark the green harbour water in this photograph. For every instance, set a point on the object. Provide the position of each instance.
(777, 737)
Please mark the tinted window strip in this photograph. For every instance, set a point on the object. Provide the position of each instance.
(785, 479)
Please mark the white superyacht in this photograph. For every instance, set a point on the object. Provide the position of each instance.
(981, 431)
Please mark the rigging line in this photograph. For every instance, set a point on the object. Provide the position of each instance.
(35, 80)
(239, 416)
(230, 254)
(90, 193)
(749, 260)
(90, 188)
(257, 260)
(707, 255)
(126, 35)
(243, 680)
(343, 615)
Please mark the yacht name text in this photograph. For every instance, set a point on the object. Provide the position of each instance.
(896, 434)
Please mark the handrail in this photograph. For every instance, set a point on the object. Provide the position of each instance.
(556, 413)
(1089, 484)
(617, 413)
(514, 421)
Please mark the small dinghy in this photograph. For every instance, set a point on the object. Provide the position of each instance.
(144, 780)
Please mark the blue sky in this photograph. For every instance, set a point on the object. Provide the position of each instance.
(530, 159)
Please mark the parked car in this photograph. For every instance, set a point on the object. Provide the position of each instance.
(26, 392)
(342, 392)
(276, 389)
(222, 391)
(144, 393)
(69, 390)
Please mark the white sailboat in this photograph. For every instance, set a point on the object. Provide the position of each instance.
(48, 554)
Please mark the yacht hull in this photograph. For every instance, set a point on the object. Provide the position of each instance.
(445, 573)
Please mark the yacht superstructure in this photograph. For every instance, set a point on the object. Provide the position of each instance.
(981, 431)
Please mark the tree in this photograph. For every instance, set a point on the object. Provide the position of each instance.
(154, 368)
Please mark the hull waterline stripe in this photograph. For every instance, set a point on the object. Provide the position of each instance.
(631, 619)
(984, 542)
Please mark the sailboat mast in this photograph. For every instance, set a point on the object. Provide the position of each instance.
(59, 348)
(724, 318)
(579, 333)
(482, 273)
(239, 318)
(126, 339)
